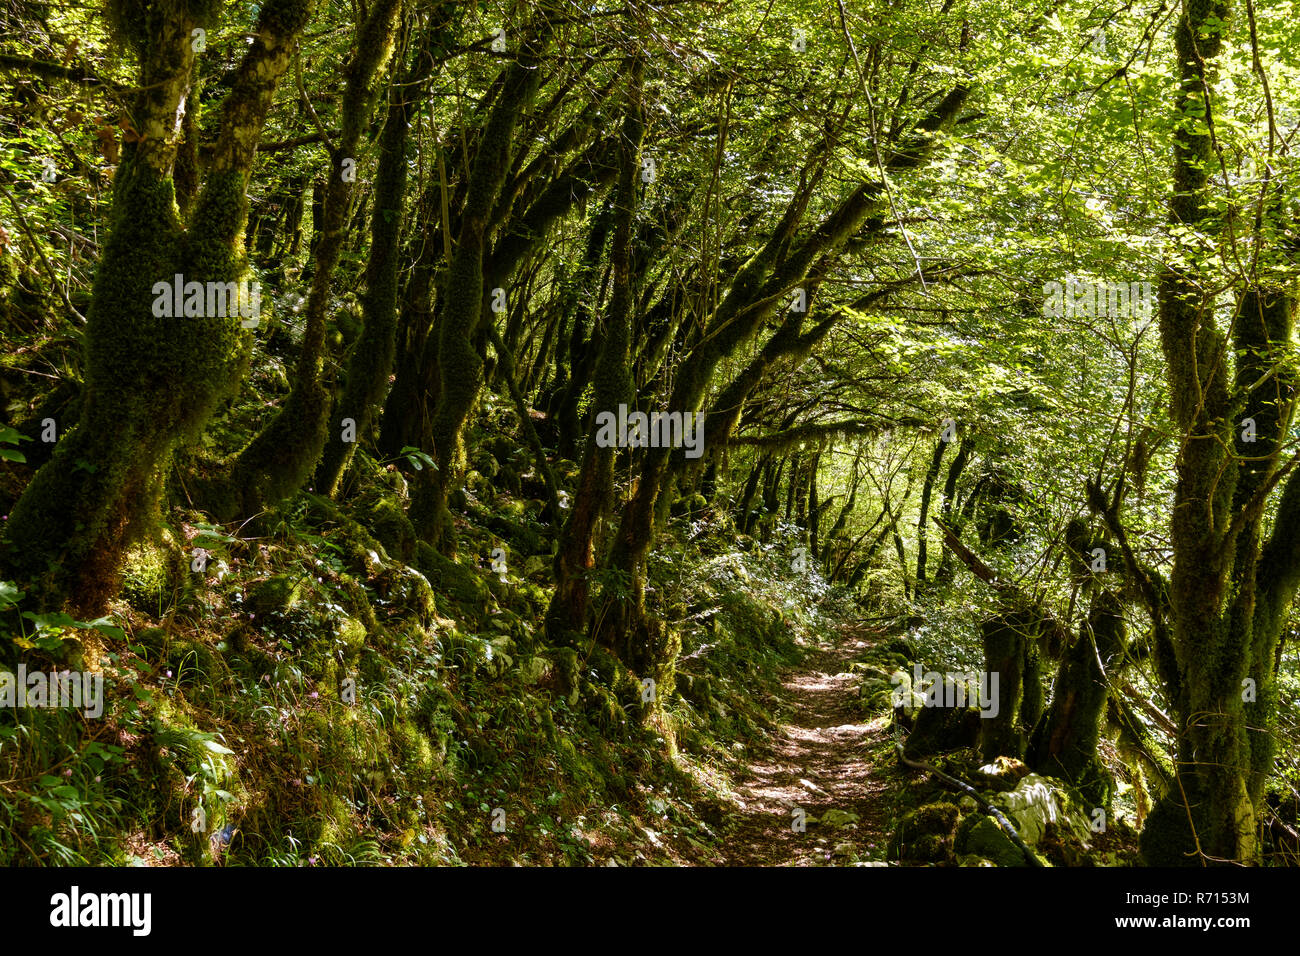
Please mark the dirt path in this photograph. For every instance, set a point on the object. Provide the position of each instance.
(819, 760)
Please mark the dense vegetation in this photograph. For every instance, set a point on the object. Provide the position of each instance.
(455, 430)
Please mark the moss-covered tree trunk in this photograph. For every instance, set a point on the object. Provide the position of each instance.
(460, 367)
(1011, 651)
(1230, 586)
(1064, 743)
(375, 349)
(152, 381)
(574, 557)
(279, 460)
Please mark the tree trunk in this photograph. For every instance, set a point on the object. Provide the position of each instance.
(574, 557)
(460, 367)
(151, 381)
(280, 459)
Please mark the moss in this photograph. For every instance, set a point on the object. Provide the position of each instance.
(926, 834)
(388, 523)
(154, 576)
(690, 505)
(276, 595)
(193, 663)
(567, 670)
(356, 601)
(411, 749)
(405, 594)
(462, 584)
(981, 836)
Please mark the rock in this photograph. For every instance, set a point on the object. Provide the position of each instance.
(467, 652)
(499, 657)
(925, 835)
(809, 785)
(836, 818)
(534, 670)
(352, 633)
(1002, 774)
(907, 701)
(386, 520)
(275, 595)
(1038, 802)
(981, 836)
(485, 465)
(406, 592)
(902, 647)
(459, 582)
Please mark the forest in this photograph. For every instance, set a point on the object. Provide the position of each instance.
(729, 433)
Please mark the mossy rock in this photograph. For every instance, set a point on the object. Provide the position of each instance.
(981, 836)
(485, 465)
(514, 526)
(362, 553)
(405, 593)
(697, 689)
(1038, 802)
(902, 647)
(500, 656)
(275, 595)
(352, 634)
(386, 520)
(462, 584)
(193, 663)
(355, 600)
(466, 652)
(1002, 774)
(534, 670)
(603, 707)
(479, 486)
(926, 834)
(412, 750)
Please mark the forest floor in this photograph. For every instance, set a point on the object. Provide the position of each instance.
(826, 758)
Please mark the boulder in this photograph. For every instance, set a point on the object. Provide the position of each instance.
(1004, 773)
(1038, 802)
(925, 835)
(275, 595)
